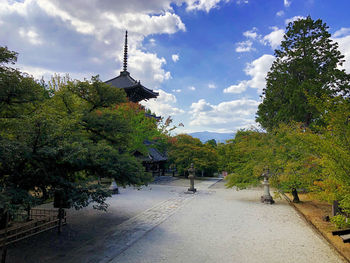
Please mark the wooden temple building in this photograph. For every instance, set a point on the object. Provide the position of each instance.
(155, 161)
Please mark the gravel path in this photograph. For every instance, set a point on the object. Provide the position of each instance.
(160, 223)
(228, 226)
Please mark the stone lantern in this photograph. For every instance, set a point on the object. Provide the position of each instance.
(114, 187)
(266, 198)
(191, 173)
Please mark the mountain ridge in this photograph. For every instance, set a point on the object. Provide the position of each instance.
(218, 136)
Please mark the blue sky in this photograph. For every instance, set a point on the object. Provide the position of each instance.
(208, 59)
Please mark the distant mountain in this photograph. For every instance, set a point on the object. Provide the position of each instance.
(206, 136)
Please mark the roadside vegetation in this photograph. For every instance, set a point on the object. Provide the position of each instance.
(65, 136)
(305, 120)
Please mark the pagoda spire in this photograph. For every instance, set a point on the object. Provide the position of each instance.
(125, 63)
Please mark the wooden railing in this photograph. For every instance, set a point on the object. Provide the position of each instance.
(40, 220)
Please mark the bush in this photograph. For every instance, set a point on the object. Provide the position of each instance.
(340, 221)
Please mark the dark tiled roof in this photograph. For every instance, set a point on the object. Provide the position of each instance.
(134, 90)
(156, 155)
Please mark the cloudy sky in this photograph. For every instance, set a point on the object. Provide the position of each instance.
(207, 58)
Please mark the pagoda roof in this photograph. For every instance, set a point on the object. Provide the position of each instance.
(134, 89)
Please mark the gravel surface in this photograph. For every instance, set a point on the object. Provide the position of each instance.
(231, 226)
(160, 223)
(87, 225)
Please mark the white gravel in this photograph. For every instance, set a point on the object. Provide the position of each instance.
(231, 226)
(162, 224)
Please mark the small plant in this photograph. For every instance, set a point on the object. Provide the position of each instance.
(340, 221)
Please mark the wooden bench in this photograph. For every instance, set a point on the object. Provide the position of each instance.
(343, 234)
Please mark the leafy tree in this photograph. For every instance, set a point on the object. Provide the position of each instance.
(307, 64)
(247, 155)
(185, 150)
(211, 142)
(62, 137)
(332, 145)
(290, 160)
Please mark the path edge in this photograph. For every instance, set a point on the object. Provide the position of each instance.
(339, 252)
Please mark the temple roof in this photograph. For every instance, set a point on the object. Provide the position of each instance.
(134, 90)
(156, 156)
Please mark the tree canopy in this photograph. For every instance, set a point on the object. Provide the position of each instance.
(64, 136)
(184, 150)
(307, 65)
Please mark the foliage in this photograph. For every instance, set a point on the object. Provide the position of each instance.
(332, 145)
(307, 64)
(340, 221)
(64, 136)
(184, 150)
(306, 111)
(291, 164)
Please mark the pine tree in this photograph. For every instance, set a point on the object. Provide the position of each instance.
(306, 65)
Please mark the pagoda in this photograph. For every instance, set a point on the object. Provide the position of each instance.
(155, 161)
(135, 91)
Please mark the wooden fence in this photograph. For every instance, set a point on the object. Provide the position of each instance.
(40, 220)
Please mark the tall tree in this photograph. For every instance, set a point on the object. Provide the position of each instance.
(307, 64)
(61, 137)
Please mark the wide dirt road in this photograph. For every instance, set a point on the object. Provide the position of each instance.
(163, 224)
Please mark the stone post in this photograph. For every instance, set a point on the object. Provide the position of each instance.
(114, 187)
(191, 174)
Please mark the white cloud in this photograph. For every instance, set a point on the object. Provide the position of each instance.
(211, 86)
(53, 10)
(294, 18)
(39, 73)
(236, 89)
(286, 3)
(344, 48)
(228, 114)
(257, 70)
(280, 13)
(152, 42)
(344, 31)
(175, 57)
(274, 38)
(242, 2)
(251, 33)
(192, 88)
(204, 5)
(163, 105)
(139, 61)
(244, 46)
(176, 90)
(146, 24)
(102, 24)
(30, 35)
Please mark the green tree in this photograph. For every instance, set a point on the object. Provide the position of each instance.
(184, 150)
(292, 161)
(62, 137)
(307, 64)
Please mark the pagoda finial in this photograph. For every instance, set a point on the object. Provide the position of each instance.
(125, 64)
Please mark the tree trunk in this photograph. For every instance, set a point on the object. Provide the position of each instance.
(295, 196)
(335, 208)
(45, 193)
